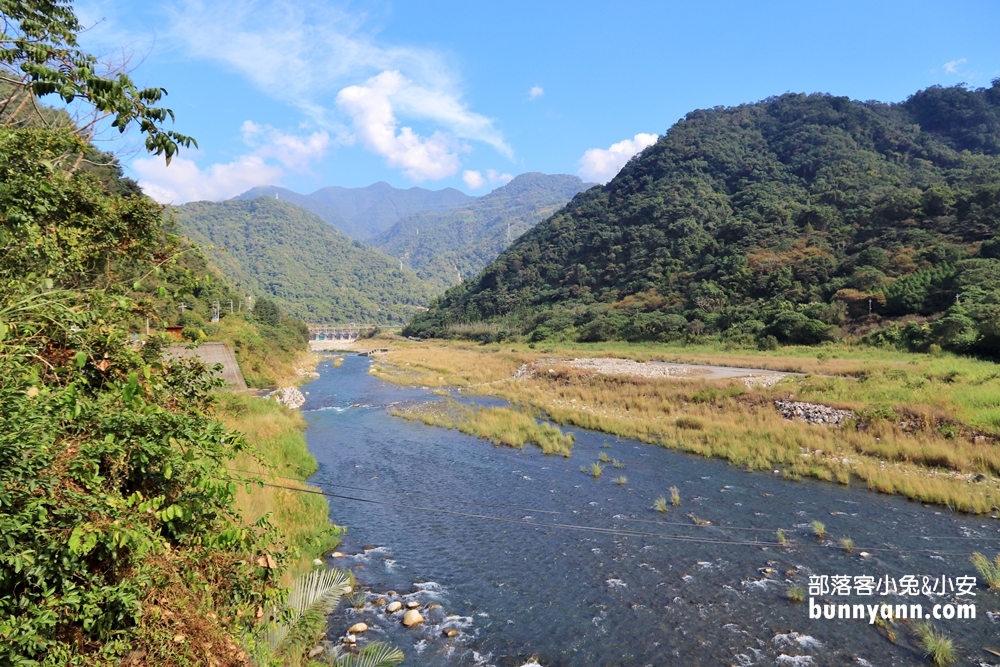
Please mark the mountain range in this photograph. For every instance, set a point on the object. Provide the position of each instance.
(445, 246)
(796, 219)
(361, 213)
(275, 242)
(273, 248)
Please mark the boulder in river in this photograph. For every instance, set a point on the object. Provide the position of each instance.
(412, 617)
(412, 604)
(358, 628)
(288, 396)
(393, 607)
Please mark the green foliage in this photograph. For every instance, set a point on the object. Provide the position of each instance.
(41, 57)
(116, 502)
(376, 654)
(777, 222)
(307, 268)
(312, 596)
(937, 646)
(990, 570)
(445, 247)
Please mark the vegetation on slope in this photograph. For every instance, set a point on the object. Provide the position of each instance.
(123, 538)
(443, 247)
(781, 221)
(272, 248)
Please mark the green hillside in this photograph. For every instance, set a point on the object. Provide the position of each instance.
(780, 221)
(272, 248)
(442, 247)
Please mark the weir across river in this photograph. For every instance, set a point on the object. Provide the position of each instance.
(335, 331)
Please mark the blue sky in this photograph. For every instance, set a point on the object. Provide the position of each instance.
(465, 94)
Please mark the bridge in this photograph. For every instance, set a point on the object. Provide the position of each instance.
(337, 331)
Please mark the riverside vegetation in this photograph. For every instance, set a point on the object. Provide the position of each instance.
(798, 219)
(130, 535)
(925, 425)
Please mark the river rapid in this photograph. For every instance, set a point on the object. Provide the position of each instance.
(533, 562)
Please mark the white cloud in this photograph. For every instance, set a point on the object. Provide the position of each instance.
(951, 67)
(496, 178)
(473, 179)
(601, 164)
(536, 92)
(184, 181)
(303, 53)
(371, 109)
(274, 154)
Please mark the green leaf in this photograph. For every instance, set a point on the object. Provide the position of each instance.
(81, 359)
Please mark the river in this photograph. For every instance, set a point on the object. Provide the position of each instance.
(532, 561)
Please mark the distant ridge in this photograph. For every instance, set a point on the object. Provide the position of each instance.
(441, 246)
(361, 213)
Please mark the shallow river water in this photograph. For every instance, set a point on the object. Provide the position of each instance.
(532, 561)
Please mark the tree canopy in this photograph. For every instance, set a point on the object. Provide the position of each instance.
(802, 217)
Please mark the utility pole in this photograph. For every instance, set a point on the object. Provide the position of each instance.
(230, 306)
(869, 305)
(216, 312)
(239, 309)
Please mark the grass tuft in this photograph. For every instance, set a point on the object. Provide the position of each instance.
(675, 496)
(617, 464)
(937, 646)
(690, 423)
(660, 504)
(989, 570)
(621, 480)
(848, 544)
(596, 469)
(782, 540)
(796, 594)
(819, 530)
(604, 458)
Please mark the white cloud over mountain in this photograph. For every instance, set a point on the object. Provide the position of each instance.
(325, 62)
(475, 179)
(602, 164)
(274, 153)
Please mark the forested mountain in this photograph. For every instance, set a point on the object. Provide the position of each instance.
(314, 272)
(444, 246)
(363, 212)
(795, 219)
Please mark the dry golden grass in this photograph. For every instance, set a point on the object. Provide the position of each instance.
(949, 406)
(281, 457)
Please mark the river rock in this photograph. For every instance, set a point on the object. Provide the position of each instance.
(393, 607)
(380, 602)
(358, 628)
(450, 632)
(338, 554)
(412, 604)
(288, 396)
(412, 617)
(812, 413)
(318, 650)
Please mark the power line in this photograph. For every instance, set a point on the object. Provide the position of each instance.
(604, 531)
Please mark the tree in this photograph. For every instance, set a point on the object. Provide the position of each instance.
(267, 312)
(39, 57)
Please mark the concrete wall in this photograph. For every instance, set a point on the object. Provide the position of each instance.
(211, 354)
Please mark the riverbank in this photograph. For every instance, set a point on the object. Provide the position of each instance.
(922, 426)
